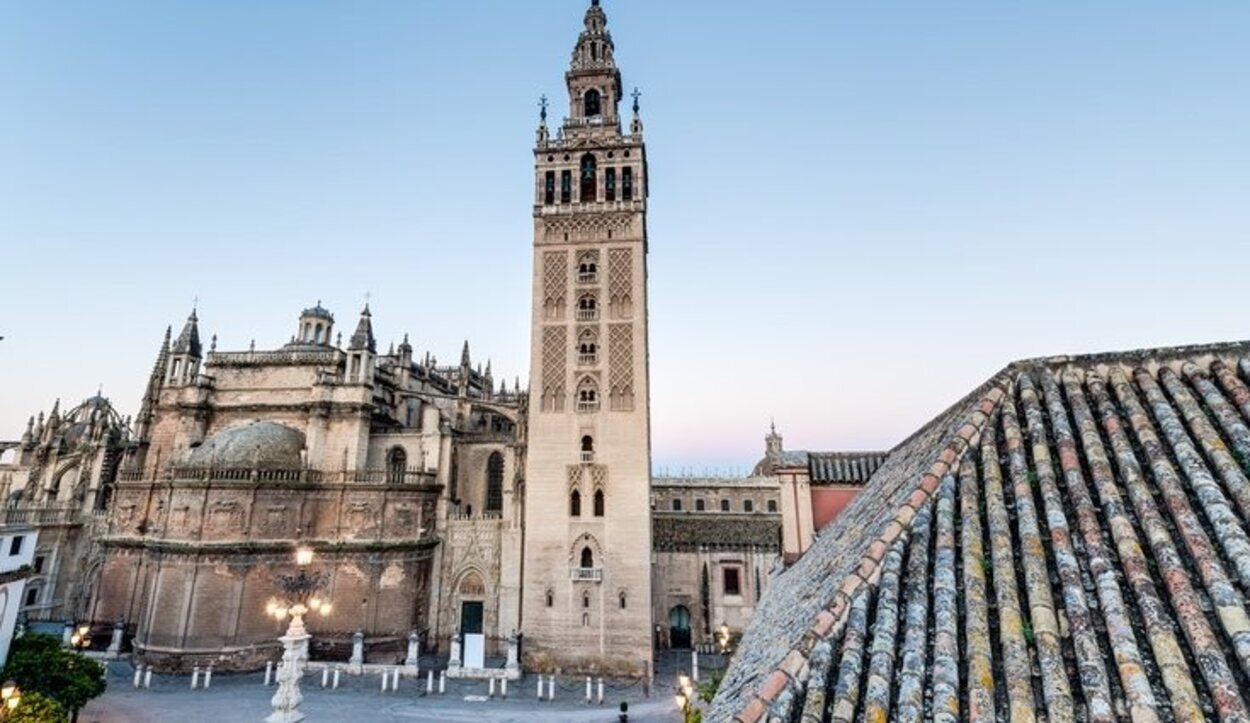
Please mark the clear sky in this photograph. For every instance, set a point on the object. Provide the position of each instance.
(859, 211)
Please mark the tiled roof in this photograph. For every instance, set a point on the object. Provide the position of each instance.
(843, 467)
(679, 531)
(1069, 542)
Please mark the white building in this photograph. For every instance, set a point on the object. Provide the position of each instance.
(17, 552)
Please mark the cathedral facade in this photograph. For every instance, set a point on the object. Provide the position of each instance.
(439, 501)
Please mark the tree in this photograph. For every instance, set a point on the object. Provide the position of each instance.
(35, 708)
(40, 665)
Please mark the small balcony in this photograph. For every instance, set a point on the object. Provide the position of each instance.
(586, 574)
(587, 407)
(587, 314)
(588, 277)
(587, 360)
(588, 457)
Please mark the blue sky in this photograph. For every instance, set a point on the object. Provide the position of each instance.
(859, 210)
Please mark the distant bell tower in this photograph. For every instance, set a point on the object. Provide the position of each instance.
(587, 578)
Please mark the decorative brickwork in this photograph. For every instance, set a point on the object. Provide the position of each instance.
(621, 367)
(621, 282)
(555, 284)
(555, 350)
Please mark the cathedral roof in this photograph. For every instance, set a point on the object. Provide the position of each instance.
(318, 312)
(255, 445)
(188, 342)
(1071, 541)
(363, 338)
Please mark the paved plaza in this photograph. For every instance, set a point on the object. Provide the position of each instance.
(240, 698)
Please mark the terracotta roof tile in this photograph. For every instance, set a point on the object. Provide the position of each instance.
(1071, 541)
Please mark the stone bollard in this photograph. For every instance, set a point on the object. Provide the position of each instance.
(386, 679)
(540, 686)
(414, 650)
(268, 672)
(491, 694)
(694, 665)
(325, 677)
(442, 682)
(503, 688)
(395, 680)
(138, 675)
(115, 643)
(147, 677)
(357, 661)
(551, 688)
(208, 677)
(588, 690)
(601, 691)
(429, 682)
(336, 678)
(195, 677)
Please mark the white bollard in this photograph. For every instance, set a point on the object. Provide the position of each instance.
(395, 681)
(503, 687)
(540, 686)
(208, 677)
(138, 675)
(336, 678)
(601, 691)
(491, 694)
(386, 678)
(147, 677)
(694, 665)
(325, 677)
(588, 690)
(268, 673)
(195, 677)
(442, 682)
(429, 682)
(551, 687)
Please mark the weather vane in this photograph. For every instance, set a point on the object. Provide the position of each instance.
(542, 104)
(637, 94)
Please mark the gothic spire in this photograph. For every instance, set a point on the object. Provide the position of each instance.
(188, 341)
(363, 338)
(464, 355)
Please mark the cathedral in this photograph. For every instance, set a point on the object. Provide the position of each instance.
(442, 504)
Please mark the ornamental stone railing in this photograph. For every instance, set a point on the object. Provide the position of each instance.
(415, 477)
(41, 515)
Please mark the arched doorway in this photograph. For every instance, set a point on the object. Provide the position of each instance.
(679, 627)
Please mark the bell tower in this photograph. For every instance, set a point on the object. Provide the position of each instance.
(587, 558)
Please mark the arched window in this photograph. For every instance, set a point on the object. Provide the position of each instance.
(587, 395)
(588, 558)
(585, 600)
(621, 597)
(590, 179)
(592, 103)
(588, 449)
(748, 506)
(587, 269)
(598, 503)
(494, 483)
(587, 308)
(627, 184)
(575, 504)
(551, 598)
(396, 465)
(566, 186)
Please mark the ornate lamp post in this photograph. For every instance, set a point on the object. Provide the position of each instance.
(81, 637)
(723, 638)
(685, 696)
(300, 593)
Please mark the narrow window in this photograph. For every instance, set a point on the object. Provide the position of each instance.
(676, 504)
(593, 102)
(32, 596)
(396, 466)
(549, 188)
(622, 599)
(575, 504)
(590, 179)
(551, 598)
(609, 184)
(748, 506)
(585, 620)
(177, 370)
(627, 184)
(39, 564)
(772, 505)
(586, 600)
(15, 547)
(588, 558)
(598, 503)
(566, 186)
(700, 505)
(724, 505)
(732, 583)
(494, 483)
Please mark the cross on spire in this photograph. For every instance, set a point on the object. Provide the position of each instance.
(636, 94)
(542, 104)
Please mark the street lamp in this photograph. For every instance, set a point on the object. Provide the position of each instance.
(300, 597)
(724, 638)
(81, 637)
(11, 695)
(685, 697)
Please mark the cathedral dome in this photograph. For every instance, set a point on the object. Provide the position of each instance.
(256, 445)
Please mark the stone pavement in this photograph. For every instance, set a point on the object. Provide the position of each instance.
(240, 698)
